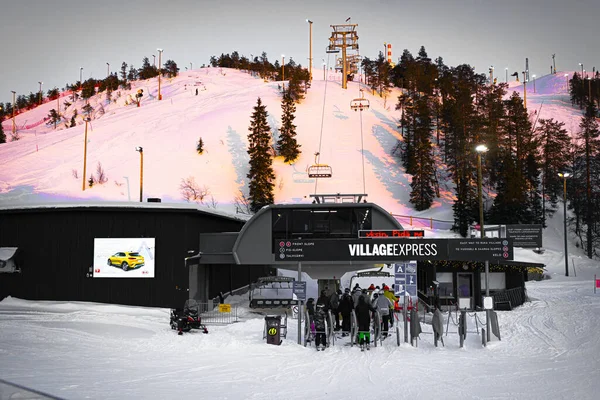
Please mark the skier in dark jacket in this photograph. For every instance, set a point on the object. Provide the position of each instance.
(334, 302)
(325, 300)
(320, 328)
(345, 308)
(363, 317)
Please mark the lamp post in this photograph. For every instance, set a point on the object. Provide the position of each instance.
(324, 65)
(85, 140)
(533, 83)
(482, 149)
(491, 74)
(14, 125)
(141, 151)
(506, 75)
(190, 66)
(107, 70)
(310, 58)
(159, 68)
(565, 175)
(80, 77)
(41, 83)
(283, 67)
(567, 82)
(154, 60)
(525, 89)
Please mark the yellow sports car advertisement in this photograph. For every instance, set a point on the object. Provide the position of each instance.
(124, 258)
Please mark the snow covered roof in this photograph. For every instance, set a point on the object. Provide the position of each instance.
(6, 253)
(125, 204)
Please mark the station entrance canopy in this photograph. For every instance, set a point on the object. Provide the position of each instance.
(326, 240)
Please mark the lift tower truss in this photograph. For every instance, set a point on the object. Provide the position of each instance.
(342, 38)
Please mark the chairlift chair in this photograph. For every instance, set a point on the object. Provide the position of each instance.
(319, 170)
(360, 103)
(331, 49)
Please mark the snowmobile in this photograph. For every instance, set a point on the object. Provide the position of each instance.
(187, 318)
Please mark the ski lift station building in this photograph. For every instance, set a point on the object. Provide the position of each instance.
(66, 252)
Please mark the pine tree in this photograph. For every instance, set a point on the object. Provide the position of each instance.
(53, 117)
(2, 134)
(287, 146)
(261, 173)
(171, 69)
(200, 146)
(123, 73)
(73, 122)
(554, 145)
(589, 138)
(132, 75)
(519, 171)
(147, 71)
(423, 181)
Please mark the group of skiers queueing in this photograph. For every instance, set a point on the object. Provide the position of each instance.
(362, 301)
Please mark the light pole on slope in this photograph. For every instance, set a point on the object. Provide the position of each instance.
(565, 175)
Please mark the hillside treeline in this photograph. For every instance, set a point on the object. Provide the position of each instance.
(87, 88)
(296, 76)
(446, 112)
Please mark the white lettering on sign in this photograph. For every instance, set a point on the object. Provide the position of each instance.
(394, 249)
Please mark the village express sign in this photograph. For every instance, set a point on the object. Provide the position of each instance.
(387, 249)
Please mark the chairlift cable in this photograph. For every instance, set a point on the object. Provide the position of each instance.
(318, 157)
(362, 150)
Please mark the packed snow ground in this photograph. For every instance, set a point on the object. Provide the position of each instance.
(549, 350)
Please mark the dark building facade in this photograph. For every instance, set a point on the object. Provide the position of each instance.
(56, 252)
(462, 284)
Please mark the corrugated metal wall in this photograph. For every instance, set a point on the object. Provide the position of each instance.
(56, 248)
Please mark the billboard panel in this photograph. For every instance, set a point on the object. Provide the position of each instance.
(124, 258)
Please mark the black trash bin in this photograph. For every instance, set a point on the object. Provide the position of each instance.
(273, 327)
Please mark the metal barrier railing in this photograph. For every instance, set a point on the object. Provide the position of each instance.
(423, 222)
(218, 314)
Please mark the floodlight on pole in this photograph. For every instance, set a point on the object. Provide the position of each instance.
(14, 124)
(565, 175)
(506, 73)
(80, 77)
(107, 69)
(85, 140)
(141, 151)
(159, 71)
(41, 83)
(283, 67)
(480, 149)
(190, 66)
(154, 60)
(310, 57)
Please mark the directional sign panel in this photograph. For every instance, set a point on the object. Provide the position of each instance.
(480, 249)
(299, 290)
(405, 279)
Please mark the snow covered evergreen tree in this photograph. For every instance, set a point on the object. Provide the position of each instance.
(423, 180)
(589, 154)
(287, 146)
(2, 134)
(200, 146)
(261, 173)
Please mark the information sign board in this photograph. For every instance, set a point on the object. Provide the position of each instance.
(392, 250)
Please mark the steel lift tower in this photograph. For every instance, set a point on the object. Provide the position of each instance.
(343, 37)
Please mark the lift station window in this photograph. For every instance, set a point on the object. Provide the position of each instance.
(323, 223)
